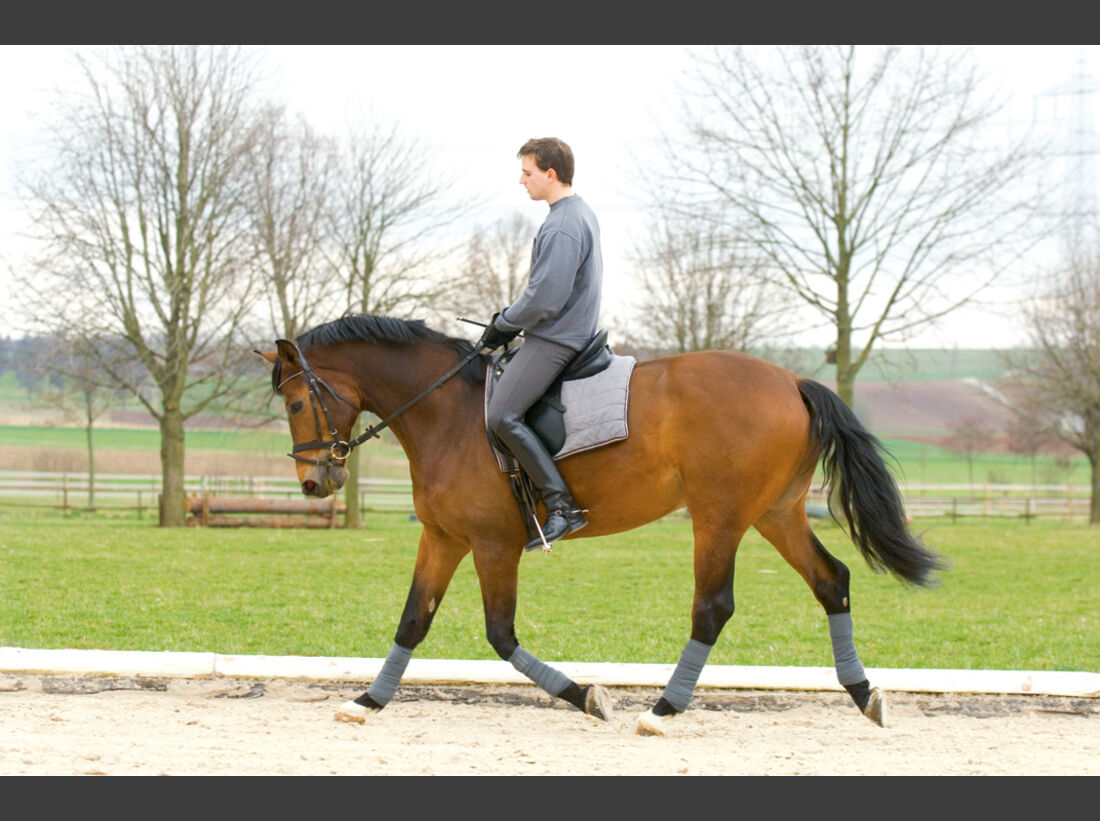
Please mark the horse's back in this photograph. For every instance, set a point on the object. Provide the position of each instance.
(734, 427)
(711, 428)
(733, 391)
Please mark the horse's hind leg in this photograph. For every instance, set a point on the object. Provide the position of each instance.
(436, 561)
(715, 550)
(828, 578)
(497, 570)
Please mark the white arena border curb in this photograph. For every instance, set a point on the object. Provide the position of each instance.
(144, 664)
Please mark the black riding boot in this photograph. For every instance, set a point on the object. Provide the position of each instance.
(563, 514)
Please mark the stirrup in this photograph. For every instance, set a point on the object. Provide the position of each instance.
(570, 517)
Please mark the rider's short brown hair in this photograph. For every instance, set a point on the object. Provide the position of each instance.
(550, 152)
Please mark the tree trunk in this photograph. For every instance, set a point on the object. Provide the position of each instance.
(845, 375)
(173, 512)
(1094, 501)
(352, 517)
(89, 421)
(91, 466)
(845, 372)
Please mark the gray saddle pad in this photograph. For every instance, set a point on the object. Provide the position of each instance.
(595, 410)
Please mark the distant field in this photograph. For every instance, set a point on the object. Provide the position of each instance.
(144, 439)
(922, 463)
(924, 364)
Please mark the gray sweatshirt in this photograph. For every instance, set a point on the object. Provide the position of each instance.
(562, 299)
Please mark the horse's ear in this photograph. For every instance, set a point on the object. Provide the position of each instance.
(287, 351)
(270, 356)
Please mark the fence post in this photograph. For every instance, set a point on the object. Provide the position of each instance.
(65, 493)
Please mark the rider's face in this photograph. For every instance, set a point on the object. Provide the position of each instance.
(536, 181)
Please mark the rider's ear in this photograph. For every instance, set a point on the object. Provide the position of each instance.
(287, 350)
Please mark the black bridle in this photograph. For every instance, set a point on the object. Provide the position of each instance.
(339, 449)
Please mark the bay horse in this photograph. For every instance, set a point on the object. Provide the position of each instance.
(734, 439)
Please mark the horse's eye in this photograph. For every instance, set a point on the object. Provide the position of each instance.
(296, 407)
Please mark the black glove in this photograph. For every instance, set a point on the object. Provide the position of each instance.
(494, 337)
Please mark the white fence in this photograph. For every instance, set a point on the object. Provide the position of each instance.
(139, 492)
(990, 501)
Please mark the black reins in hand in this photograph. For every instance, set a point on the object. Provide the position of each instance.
(339, 449)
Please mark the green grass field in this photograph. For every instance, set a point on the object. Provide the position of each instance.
(142, 439)
(1018, 596)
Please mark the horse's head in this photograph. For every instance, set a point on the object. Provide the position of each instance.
(321, 413)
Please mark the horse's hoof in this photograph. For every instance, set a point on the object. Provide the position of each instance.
(597, 702)
(651, 724)
(876, 707)
(352, 713)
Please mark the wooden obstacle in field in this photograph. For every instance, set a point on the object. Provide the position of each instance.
(228, 511)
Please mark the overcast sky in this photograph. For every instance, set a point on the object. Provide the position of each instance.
(476, 105)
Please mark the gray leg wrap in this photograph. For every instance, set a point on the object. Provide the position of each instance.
(545, 676)
(385, 684)
(681, 687)
(849, 669)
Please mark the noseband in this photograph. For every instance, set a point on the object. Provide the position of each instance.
(340, 450)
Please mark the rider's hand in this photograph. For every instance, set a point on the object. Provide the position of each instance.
(494, 337)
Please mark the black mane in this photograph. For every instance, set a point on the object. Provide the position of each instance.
(369, 328)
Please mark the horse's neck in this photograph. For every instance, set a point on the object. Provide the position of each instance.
(390, 377)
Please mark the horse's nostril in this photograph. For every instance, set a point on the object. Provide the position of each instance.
(308, 486)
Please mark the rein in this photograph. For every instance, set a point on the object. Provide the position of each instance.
(339, 449)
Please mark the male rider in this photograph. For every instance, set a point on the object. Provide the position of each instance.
(558, 312)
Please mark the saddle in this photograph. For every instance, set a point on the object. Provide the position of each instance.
(547, 416)
(598, 415)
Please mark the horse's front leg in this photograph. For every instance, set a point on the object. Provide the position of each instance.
(498, 570)
(436, 561)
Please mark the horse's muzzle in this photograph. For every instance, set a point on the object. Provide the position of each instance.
(322, 481)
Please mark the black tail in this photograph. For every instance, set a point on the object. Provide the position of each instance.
(865, 491)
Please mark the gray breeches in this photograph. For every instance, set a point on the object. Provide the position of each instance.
(532, 370)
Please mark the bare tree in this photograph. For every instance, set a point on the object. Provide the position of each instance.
(382, 222)
(140, 220)
(76, 386)
(384, 216)
(291, 170)
(495, 269)
(1063, 380)
(1027, 429)
(866, 178)
(970, 436)
(703, 286)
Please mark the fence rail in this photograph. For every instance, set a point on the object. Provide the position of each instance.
(958, 501)
(139, 493)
